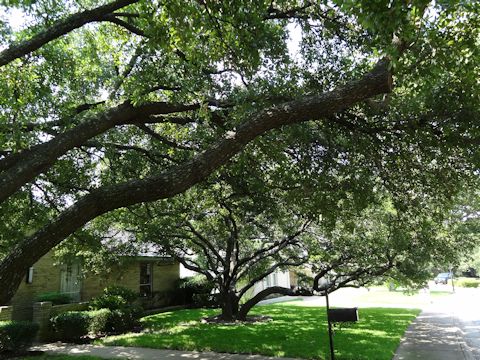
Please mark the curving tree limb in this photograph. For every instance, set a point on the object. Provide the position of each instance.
(60, 28)
(180, 178)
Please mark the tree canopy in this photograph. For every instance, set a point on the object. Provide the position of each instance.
(107, 106)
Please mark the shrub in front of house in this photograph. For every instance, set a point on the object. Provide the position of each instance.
(128, 295)
(123, 320)
(99, 321)
(124, 311)
(194, 290)
(113, 298)
(55, 298)
(16, 336)
(71, 326)
(111, 302)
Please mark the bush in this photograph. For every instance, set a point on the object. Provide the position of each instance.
(99, 320)
(468, 283)
(71, 326)
(123, 320)
(114, 298)
(55, 297)
(112, 302)
(123, 313)
(128, 295)
(16, 335)
(194, 290)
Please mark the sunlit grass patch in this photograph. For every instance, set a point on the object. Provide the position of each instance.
(294, 331)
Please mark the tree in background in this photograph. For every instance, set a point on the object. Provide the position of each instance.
(233, 240)
(465, 225)
(381, 243)
(152, 98)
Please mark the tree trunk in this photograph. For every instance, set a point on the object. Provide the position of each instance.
(184, 176)
(229, 306)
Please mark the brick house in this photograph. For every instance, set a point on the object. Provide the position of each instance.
(147, 275)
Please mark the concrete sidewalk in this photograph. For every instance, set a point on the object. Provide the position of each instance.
(120, 352)
(440, 332)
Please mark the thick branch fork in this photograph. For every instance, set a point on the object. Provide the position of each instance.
(180, 178)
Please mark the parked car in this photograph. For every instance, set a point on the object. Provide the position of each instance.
(442, 278)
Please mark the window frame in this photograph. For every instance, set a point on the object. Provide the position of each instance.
(149, 284)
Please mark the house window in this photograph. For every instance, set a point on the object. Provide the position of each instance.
(29, 277)
(71, 280)
(145, 279)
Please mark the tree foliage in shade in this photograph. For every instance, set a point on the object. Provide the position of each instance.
(233, 240)
(381, 242)
(104, 106)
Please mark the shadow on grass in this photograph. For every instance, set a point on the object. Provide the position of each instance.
(293, 332)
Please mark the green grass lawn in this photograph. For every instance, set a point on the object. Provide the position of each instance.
(295, 331)
(61, 357)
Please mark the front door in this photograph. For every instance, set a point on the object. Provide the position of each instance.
(71, 280)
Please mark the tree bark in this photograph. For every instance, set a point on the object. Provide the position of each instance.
(19, 169)
(242, 313)
(59, 29)
(184, 176)
(229, 306)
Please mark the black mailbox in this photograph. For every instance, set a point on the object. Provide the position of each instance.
(343, 315)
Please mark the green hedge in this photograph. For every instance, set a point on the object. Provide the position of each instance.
(72, 326)
(55, 297)
(113, 298)
(99, 320)
(123, 320)
(468, 282)
(15, 336)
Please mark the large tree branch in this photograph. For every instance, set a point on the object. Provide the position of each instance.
(132, 28)
(242, 314)
(23, 167)
(358, 274)
(188, 264)
(206, 242)
(270, 250)
(215, 263)
(184, 176)
(59, 29)
(269, 271)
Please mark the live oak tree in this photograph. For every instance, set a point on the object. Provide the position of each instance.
(136, 101)
(380, 243)
(233, 240)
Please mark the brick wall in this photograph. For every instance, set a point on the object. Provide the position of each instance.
(46, 278)
(5, 313)
(128, 275)
(43, 311)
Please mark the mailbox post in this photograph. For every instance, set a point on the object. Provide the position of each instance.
(330, 333)
(335, 316)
